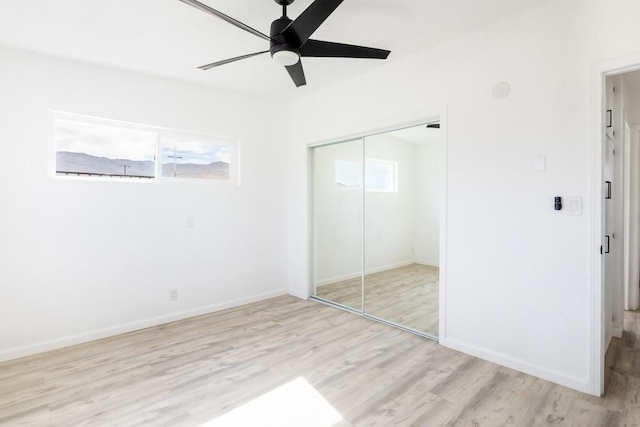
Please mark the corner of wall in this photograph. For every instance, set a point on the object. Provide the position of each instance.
(518, 365)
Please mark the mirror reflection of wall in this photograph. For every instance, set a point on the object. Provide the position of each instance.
(402, 230)
(376, 206)
(337, 218)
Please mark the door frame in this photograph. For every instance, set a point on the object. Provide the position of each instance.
(394, 124)
(599, 73)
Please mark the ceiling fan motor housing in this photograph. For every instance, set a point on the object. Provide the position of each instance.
(278, 41)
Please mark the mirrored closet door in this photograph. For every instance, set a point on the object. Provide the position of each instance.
(337, 231)
(376, 206)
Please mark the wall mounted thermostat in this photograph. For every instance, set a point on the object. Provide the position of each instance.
(557, 205)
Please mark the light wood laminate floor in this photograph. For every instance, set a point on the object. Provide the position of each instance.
(192, 372)
(407, 296)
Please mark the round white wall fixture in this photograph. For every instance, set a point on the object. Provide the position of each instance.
(501, 90)
(286, 57)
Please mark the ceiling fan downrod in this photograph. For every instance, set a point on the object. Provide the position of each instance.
(284, 4)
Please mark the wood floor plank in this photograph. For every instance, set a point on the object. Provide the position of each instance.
(191, 372)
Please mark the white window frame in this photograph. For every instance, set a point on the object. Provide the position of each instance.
(234, 149)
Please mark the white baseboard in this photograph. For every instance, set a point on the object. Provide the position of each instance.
(350, 276)
(298, 294)
(428, 263)
(16, 353)
(518, 365)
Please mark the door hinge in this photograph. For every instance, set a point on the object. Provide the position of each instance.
(614, 88)
(601, 254)
(613, 235)
(614, 151)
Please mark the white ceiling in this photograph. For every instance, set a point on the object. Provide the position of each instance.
(170, 38)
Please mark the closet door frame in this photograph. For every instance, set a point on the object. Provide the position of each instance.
(439, 114)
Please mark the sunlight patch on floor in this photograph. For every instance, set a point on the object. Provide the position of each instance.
(296, 403)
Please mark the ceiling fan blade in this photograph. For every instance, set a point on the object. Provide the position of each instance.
(318, 48)
(309, 20)
(297, 74)
(230, 20)
(227, 61)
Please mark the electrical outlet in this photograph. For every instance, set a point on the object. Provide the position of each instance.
(173, 295)
(191, 222)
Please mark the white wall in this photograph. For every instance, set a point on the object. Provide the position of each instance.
(632, 292)
(631, 105)
(427, 202)
(82, 259)
(517, 271)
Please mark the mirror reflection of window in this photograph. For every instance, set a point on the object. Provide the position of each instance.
(348, 173)
(401, 283)
(337, 223)
(376, 226)
(379, 175)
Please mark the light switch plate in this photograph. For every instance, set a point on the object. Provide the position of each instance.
(574, 205)
(540, 163)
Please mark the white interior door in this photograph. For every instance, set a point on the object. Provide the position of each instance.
(607, 246)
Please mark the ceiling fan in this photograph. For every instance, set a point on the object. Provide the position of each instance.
(290, 40)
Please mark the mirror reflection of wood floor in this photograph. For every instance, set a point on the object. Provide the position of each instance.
(405, 295)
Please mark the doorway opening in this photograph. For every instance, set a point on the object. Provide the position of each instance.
(618, 214)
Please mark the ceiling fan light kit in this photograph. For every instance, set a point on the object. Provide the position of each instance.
(290, 40)
(286, 57)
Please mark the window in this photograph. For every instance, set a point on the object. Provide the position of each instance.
(107, 149)
(195, 157)
(90, 149)
(380, 175)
